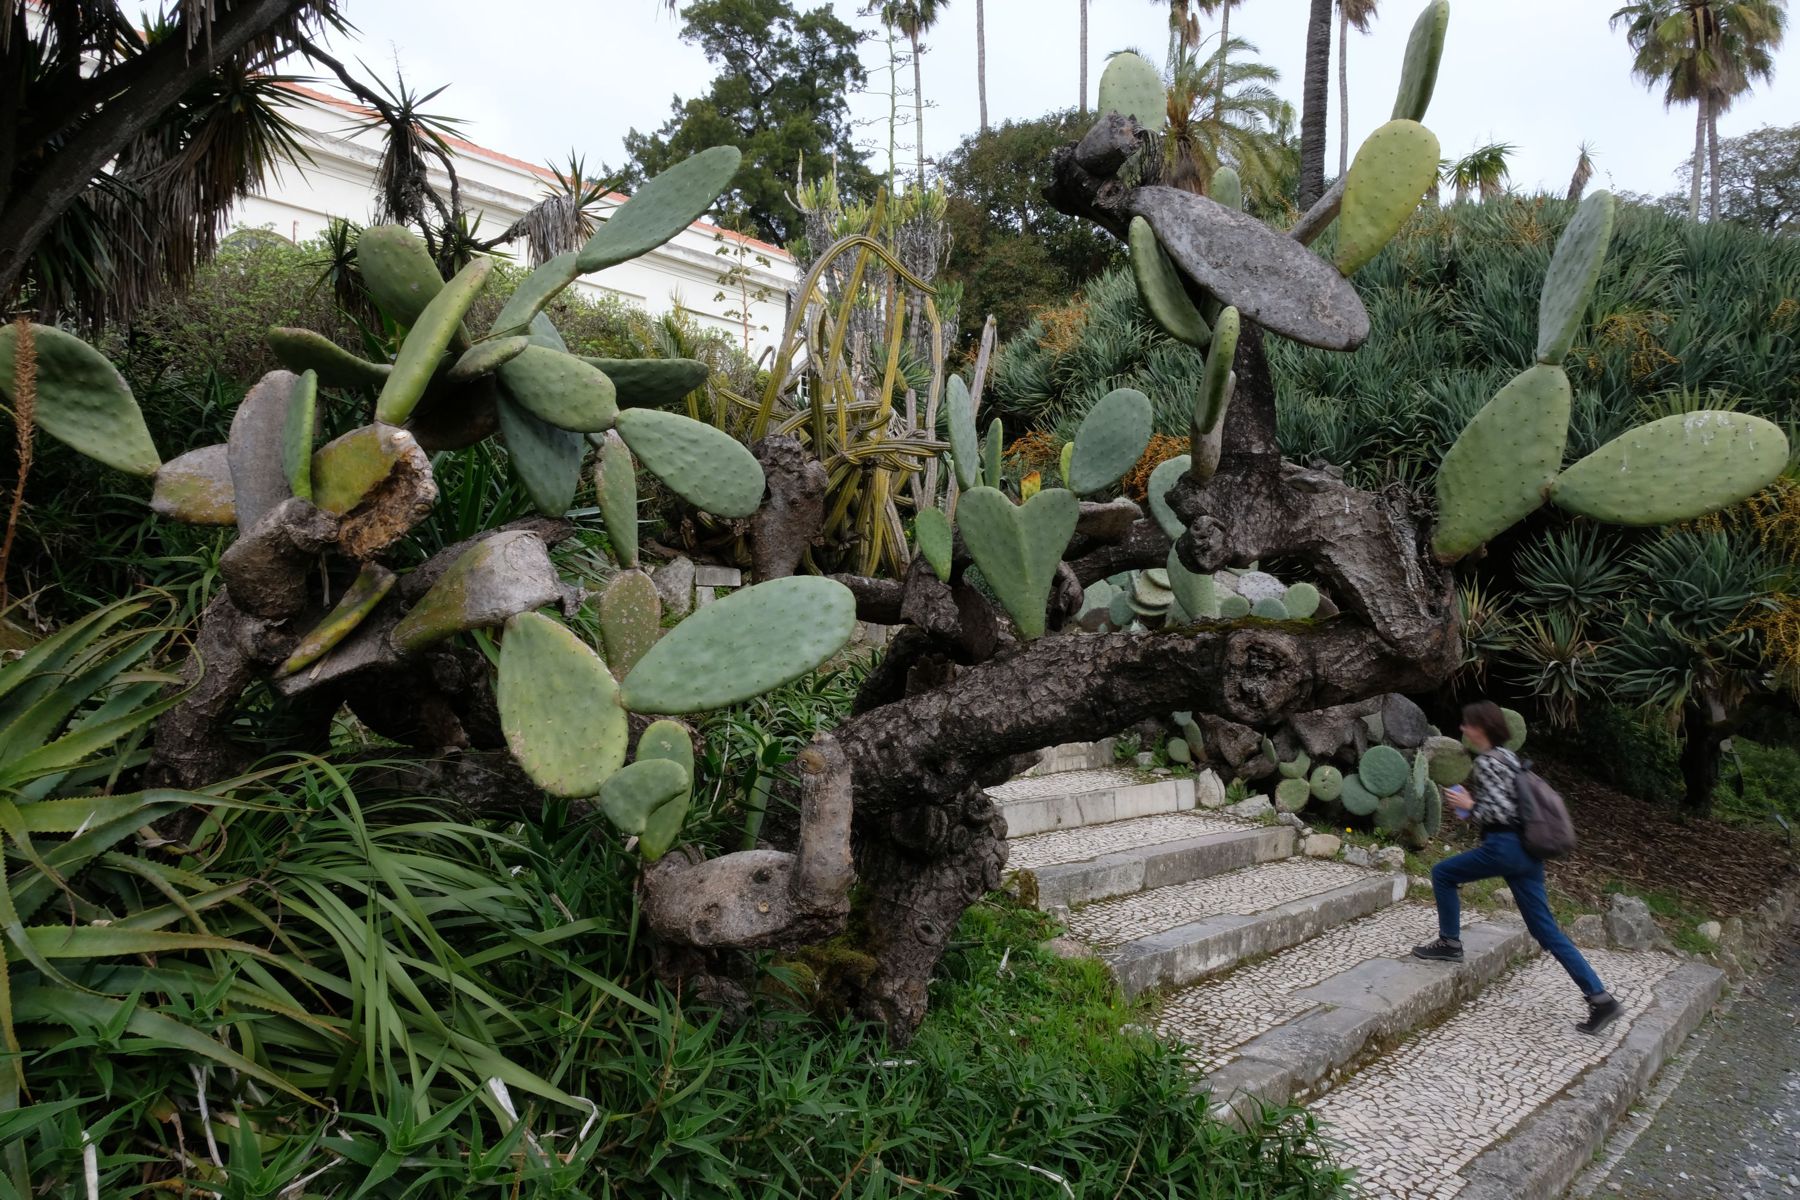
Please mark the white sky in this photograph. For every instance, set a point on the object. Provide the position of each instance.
(537, 77)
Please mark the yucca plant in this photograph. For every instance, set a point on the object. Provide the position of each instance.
(1574, 571)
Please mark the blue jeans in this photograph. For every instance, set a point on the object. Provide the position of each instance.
(1501, 855)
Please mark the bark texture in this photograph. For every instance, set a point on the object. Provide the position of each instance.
(1315, 99)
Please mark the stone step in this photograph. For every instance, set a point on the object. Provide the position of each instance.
(1187, 931)
(1274, 1031)
(1074, 756)
(1504, 1100)
(1069, 799)
(1097, 862)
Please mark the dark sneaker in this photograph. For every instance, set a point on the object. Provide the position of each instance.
(1442, 950)
(1602, 1012)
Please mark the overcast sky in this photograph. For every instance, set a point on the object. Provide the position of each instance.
(537, 77)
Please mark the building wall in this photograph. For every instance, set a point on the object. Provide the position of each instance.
(339, 181)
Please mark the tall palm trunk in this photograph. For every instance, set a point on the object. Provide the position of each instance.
(1224, 53)
(919, 108)
(1699, 161)
(1084, 57)
(1314, 102)
(1343, 90)
(981, 58)
(1712, 150)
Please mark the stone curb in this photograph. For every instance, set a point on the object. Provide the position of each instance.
(1544, 1155)
(1206, 947)
(1095, 806)
(1143, 868)
(1368, 1005)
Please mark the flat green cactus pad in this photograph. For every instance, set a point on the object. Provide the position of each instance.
(1394, 812)
(1131, 86)
(438, 323)
(631, 794)
(630, 620)
(1270, 609)
(368, 589)
(82, 401)
(1327, 782)
(1393, 170)
(493, 580)
(1432, 819)
(1502, 465)
(398, 270)
(1018, 547)
(1383, 770)
(1516, 729)
(661, 208)
(1292, 795)
(965, 450)
(992, 450)
(1234, 607)
(615, 482)
(705, 466)
(1675, 469)
(1296, 767)
(1159, 286)
(298, 434)
(1574, 270)
(347, 469)
(560, 389)
(669, 741)
(546, 459)
(932, 531)
(1179, 752)
(1356, 798)
(559, 708)
(1063, 459)
(196, 488)
(742, 645)
(1110, 441)
(486, 357)
(1151, 594)
(1197, 594)
(1227, 189)
(1419, 71)
(1119, 612)
(1165, 476)
(1449, 762)
(303, 350)
(523, 308)
(257, 450)
(1301, 601)
(651, 382)
(1215, 381)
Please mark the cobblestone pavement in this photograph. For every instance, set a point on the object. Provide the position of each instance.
(1212, 1018)
(1063, 783)
(1090, 841)
(1245, 891)
(1731, 1126)
(1412, 1119)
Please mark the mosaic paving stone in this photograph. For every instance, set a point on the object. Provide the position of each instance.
(1064, 783)
(1090, 841)
(1416, 1116)
(1250, 890)
(1210, 1019)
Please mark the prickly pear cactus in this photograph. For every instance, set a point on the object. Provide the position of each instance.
(1131, 86)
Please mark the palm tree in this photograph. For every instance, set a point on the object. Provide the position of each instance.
(1248, 126)
(1314, 101)
(1209, 7)
(1584, 172)
(1484, 171)
(1084, 57)
(1750, 31)
(981, 58)
(1360, 13)
(915, 18)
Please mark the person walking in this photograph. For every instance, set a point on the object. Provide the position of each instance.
(1502, 855)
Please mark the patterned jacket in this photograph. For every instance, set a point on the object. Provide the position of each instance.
(1496, 808)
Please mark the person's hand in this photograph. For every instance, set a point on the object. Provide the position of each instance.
(1459, 798)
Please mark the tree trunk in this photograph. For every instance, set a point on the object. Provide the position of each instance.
(1314, 103)
(1702, 737)
(1224, 55)
(1712, 139)
(1699, 161)
(1084, 58)
(1343, 91)
(919, 108)
(981, 58)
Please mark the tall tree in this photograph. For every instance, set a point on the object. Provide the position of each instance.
(126, 135)
(1084, 56)
(1584, 173)
(1483, 171)
(981, 58)
(1759, 179)
(1209, 7)
(1360, 13)
(1314, 102)
(1750, 31)
(780, 96)
(1248, 126)
(914, 19)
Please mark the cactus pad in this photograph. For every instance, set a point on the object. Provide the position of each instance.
(1515, 728)
(649, 798)
(1327, 782)
(1234, 607)
(546, 459)
(368, 589)
(559, 709)
(1383, 770)
(486, 357)
(348, 470)
(1297, 767)
(1166, 475)
(398, 270)
(82, 400)
(297, 435)
(560, 389)
(1215, 381)
(523, 308)
(1292, 795)
(303, 350)
(742, 645)
(1394, 813)
(1357, 798)
(1675, 469)
(1159, 286)
(1502, 465)
(1018, 547)
(257, 451)
(1197, 594)
(1432, 818)
(1574, 270)
(1132, 87)
(669, 741)
(661, 208)
(1301, 601)
(1393, 170)
(1110, 441)
(196, 488)
(932, 530)
(705, 466)
(615, 483)
(496, 578)
(1269, 610)
(1179, 752)
(965, 450)
(1227, 189)
(630, 620)
(1419, 70)
(651, 382)
(1450, 762)
(1119, 611)
(429, 337)
(1150, 594)
(992, 450)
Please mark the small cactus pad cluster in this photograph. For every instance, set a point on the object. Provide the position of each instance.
(1509, 459)
(1132, 87)
(1160, 287)
(1398, 792)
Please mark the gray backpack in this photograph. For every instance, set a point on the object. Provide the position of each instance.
(1544, 824)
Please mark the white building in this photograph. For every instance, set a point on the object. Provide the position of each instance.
(690, 271)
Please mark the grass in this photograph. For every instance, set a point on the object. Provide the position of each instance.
(1770, 776)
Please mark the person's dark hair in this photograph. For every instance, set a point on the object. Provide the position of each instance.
(1486, 716)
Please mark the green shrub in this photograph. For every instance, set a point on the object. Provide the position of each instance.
(1770, 777)
(1635, 754)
